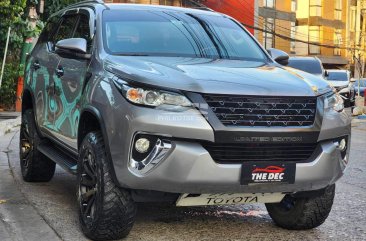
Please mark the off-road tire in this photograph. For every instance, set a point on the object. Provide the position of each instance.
(112, 210)
(306, 213)
(35, 166)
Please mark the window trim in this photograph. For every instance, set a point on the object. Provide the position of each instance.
(89, 13)
(316, 7)
(269, 35)
(293, 36)
(265, 4)
(337, 42)
(61, 20)
(293, 6)
(313, 43)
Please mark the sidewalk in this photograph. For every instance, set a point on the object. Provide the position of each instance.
(19, 220)
(6, 115)
(9, 121)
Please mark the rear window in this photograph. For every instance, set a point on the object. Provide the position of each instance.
(361, 83)
(337, 76)
(310, 66)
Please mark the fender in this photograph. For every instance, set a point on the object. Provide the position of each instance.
(95, 112)
(28, 90)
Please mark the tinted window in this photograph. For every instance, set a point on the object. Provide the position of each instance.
(83, 30)
(49, 30)
(176, 34)
(310, 66)
(361, 83)
(337, 76)
(66, 28)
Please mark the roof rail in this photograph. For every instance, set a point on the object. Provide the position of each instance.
(86, 1)
(204, 9)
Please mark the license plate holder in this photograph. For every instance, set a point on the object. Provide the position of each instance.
(268, 173)
(228, 199)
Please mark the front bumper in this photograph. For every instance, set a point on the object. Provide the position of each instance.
(189, 168)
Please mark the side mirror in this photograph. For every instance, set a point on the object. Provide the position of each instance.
(326, 73)
(352, 80)
(72, 47)
(279, 56)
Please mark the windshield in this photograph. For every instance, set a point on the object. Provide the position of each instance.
(337, 76)
(310, 66)
(157, 33)
(361, 83)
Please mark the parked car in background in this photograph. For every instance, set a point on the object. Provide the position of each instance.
(360, 84)
(312, 65)
(341, 81)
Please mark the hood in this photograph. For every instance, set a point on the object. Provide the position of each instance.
(221, 76)
(338, 83)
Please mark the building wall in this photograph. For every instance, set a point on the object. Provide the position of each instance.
(241, 10)
(281, 43)
(154, 2)
(331, 31)
(282, 16)
(356, 37)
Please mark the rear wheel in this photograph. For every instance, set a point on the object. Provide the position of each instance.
(106, 212)
(35, 166)
(302, 213)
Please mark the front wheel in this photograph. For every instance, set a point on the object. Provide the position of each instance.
(106, 212)
(302, 213)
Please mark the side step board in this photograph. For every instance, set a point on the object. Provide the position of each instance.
(64, 160)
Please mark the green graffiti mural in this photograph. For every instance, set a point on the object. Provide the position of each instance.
(57, 98)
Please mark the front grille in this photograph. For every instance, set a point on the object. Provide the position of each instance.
(240, 153)
(252, 111)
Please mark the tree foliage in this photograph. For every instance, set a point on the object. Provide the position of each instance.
(8, 86)
(14, 14)
(52, 6)
(11, 16)
(11, 13)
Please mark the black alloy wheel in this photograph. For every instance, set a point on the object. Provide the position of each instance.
(88, 187)
(35, 166)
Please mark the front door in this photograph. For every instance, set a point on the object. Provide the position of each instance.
(69, 84)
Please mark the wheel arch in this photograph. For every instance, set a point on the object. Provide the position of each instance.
(27, 100)
(92, 120)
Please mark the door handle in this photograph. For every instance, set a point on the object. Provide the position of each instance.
(36, 65)
(50, 89)
(59, 71)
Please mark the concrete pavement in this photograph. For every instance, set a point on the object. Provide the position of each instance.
(52, 209)
(9, 122)
(19, 220)
(5, 115)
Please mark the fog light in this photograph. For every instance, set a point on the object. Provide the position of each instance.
(142, 145)
(155, 149)
(342, 145)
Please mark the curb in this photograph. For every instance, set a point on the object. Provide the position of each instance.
(8, 126)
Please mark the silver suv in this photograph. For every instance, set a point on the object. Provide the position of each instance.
(151, 103)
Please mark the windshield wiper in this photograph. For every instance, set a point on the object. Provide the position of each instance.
(130, 54)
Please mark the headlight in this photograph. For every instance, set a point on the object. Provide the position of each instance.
(152, 97)
(335, 101)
